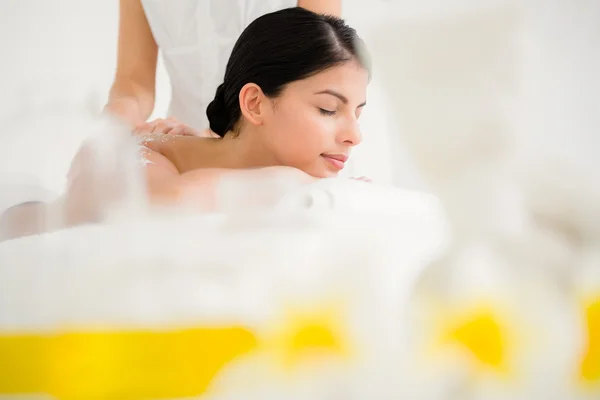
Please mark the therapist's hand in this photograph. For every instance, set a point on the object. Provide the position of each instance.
(169, 126)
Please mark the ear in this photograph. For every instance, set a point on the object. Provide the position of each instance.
(252, 100)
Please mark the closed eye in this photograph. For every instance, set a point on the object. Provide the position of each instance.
(326, 112)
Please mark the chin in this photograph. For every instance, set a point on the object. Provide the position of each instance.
(326, 174)
(320, 171)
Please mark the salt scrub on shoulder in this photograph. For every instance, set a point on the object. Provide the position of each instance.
(143, 153)
(144, 150)
(152, 137)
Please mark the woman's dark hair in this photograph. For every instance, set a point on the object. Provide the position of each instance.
(279, 48)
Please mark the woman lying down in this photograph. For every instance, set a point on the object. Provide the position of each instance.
(293, 92)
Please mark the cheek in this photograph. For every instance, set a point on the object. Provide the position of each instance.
(303, 131)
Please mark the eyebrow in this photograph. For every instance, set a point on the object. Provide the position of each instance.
(340, 96)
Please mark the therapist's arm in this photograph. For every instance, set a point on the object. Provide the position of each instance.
(133, 91)
(329, 7)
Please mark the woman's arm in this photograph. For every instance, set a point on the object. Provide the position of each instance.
(205, 190)
(133, 91)
(84, 201)
(88, 194)
(26, 219)
(329, 7)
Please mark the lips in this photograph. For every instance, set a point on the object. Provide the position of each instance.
(337, 161)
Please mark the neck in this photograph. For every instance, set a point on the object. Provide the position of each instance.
(245, 150)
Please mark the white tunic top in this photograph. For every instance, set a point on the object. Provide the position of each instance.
(196, 38)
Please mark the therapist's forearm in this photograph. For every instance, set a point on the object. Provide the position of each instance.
(329, 7)
(130, 104)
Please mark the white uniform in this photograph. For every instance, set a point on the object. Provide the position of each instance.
(196, 38)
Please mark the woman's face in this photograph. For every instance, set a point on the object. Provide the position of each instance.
(313, 124)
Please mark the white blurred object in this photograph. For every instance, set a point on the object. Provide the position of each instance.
(18, 189)
(494, 101)
(288, 271)
(43, 133)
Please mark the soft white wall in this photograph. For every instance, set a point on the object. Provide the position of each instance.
(60, 45)
(58, 61)
(449, 68)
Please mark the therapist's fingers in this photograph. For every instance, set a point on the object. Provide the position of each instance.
(168, 126)
(143, 128)
(178, 130)
(162, 126)
(183, 130)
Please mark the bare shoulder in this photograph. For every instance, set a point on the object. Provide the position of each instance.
(156, 141)
(185, 152)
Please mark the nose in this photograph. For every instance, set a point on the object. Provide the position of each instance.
(350, 135)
